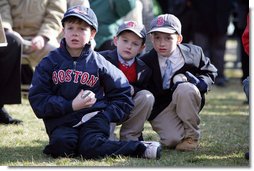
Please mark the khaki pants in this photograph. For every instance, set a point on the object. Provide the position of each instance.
(132, 128)
(180, 119)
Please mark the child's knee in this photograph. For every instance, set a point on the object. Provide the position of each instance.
(62, 146)
(146, 97)
(187, 91)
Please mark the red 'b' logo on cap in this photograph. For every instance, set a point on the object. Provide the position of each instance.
(79, 10)
(131, 24)
(160, 21)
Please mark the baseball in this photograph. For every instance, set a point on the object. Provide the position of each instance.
(87, 93)
(179, 77)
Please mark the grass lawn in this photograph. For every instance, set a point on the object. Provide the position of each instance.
(225, 128)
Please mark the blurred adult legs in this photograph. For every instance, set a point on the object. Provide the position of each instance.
(214, 48)
(10, 85)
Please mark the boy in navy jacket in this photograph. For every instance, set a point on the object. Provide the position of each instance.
(181, 74)
(78, 93)
(130, 42)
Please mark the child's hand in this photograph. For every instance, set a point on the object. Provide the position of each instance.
(201, 85)
(83, 100)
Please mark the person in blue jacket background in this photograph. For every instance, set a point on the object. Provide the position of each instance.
(77, 93)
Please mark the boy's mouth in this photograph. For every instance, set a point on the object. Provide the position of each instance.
(127, 52)
(162, 49)
(74, 40)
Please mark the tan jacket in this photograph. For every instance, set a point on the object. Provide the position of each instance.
(33, 17)
(71, 3)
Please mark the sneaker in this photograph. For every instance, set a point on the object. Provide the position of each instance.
(153, 149)
(187, 144)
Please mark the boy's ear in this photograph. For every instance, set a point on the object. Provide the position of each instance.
(179, 39)
(142, 48)
(93, 33)
(115, 40)
(151, 37)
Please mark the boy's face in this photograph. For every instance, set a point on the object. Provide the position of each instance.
(77, 34)
(128, 44)
(165, 43)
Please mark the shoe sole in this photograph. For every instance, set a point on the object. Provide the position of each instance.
(187, 149)
(158, 153)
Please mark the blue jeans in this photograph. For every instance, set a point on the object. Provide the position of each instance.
(90, 140)
(246, 87)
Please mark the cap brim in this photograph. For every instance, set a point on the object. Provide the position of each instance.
(82, 18)
(137, 33)
(163, 29)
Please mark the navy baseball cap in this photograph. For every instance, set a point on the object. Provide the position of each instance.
(166, 23)
(138, 29)
(84, 13)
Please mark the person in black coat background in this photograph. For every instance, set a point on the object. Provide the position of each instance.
(10, 84)
(210, 23)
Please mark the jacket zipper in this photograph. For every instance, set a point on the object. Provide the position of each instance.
(75, 65)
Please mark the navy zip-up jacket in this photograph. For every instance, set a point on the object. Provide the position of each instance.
(58, 79)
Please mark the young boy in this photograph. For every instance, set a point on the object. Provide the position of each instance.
(78, 93)
(130, 41)
(181, 75)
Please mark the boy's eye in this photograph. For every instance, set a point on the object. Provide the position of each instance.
(84, 28)
(135, 44)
